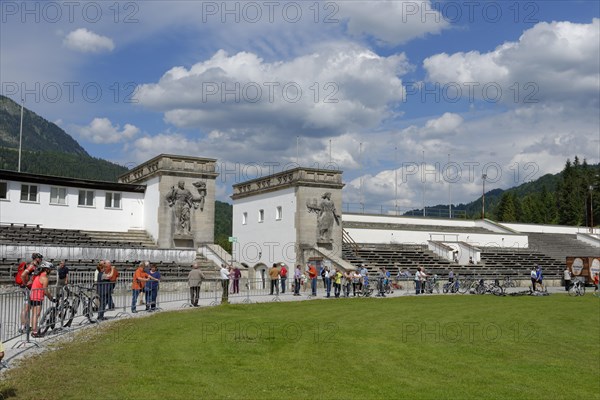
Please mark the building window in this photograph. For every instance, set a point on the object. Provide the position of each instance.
(3, 191)
(278, 213)
(58, 195)
(86, 198)
(261, 215)
(29, 193)
(112, 200)
(244, 218)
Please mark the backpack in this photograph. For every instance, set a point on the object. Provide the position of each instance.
(20, 269)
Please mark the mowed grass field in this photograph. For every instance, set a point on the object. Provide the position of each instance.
(432, 347)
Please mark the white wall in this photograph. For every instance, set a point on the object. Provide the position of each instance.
(394, 219)
(268, 241)
(72, 216)
(150, 203)
(549, 228)
(422, 237)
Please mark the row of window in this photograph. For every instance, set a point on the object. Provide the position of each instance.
(261, 215)
(58, 196)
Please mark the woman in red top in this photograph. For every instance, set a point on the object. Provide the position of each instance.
(39, 290)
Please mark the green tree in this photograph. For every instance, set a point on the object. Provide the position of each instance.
(507, 209)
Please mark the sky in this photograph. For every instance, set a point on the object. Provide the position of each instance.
(414, 100)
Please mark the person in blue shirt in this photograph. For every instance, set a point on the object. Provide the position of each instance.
(538, 277)
(151, 288)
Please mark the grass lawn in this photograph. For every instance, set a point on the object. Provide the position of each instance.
(432, 347)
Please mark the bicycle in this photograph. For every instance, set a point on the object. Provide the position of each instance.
(90, 301)
(367, 289)
(432, 284)
(56, 314)
(451, 287)
(577, 289)
(465, 284)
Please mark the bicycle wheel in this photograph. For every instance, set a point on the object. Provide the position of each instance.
(480, 289)
(497, 291)
(48, 320)
(464, 286)
(573, 291)
(90, 309)
(446, 287)
(69, 315)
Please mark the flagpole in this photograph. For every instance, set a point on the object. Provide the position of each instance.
(20, 136)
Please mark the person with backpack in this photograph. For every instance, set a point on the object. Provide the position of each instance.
(24, 279)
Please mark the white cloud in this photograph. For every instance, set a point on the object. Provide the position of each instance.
(86, 41)
(101, 130)
(391, 21)
(338, 88)
(551, 62)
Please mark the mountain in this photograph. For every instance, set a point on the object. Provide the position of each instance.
(38, 133)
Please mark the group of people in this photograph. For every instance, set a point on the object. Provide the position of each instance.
(342, 282)
(34, 281)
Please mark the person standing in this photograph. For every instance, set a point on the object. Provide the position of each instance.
(312, 275)
(381, 282)
(346, 282)
(27, 282)
(356, 279)
(327, 279)
(274, 275)
(224, 272)
(283, 272)
(140, 277)
(103, 287)
(62, 279)
(152, 288)
(533, 276)
(297, 280)
(110, 277)
(567, 278)
(39, 290)
(237, 274)
(195, 278)
(337, 282)
(539, 278)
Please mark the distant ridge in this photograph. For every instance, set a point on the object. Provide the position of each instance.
(38, 133)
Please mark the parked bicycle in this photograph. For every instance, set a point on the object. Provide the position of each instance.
(90, 301)
(432, 284)
(451, 287)
(465, 284)
(56, 316)
(577, 289)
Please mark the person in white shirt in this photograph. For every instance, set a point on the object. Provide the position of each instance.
(225, 281)
(567, 278)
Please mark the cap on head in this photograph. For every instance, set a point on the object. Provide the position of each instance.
(36, 255)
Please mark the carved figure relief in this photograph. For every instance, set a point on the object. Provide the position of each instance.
(182, 201)
(326, 215)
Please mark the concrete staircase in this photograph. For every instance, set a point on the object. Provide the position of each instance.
(131, 238)
(560, 246)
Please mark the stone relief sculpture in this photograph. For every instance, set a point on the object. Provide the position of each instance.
(326, 215)
(182, 201)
